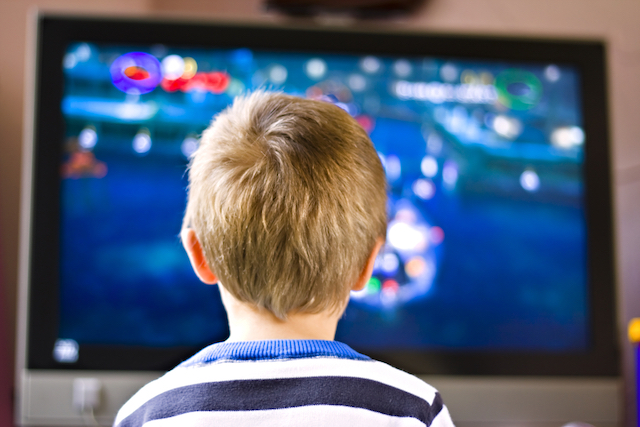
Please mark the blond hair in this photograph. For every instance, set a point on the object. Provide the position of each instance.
(287, 198)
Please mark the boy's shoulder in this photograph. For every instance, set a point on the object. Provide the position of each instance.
(222, 381)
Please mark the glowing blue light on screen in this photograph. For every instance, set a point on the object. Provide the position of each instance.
(370, 64)
(389, 263)
(122, 111)
(449, 72)
(552, 73)
(189, 146)
(424, 188)
(434, 144)
(402, 68)
(450, 174)
(142, 143)
(316, 68)
(357, 82)
(88, 138)
(529, 180)
(278, 74)
(393, 167)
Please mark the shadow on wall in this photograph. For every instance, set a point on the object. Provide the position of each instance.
(6, 386)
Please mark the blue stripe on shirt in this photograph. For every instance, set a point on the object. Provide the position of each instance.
(273, 349)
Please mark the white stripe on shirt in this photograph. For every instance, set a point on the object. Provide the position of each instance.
(309, 416)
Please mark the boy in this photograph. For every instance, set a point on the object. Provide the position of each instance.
(286, 212)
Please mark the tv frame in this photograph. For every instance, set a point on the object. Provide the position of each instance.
(592, 379)
(40, 239)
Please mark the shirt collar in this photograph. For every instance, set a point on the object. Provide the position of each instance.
(273, 349)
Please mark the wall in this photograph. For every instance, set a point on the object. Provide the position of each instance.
(613, 20)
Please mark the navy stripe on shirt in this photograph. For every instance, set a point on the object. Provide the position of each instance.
(280, 393)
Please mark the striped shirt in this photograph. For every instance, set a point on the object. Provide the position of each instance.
(284, 383)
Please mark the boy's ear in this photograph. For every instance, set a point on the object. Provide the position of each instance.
(196, 256)
(365, 275)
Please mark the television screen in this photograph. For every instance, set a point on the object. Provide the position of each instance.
(495, 155)
(486, 241)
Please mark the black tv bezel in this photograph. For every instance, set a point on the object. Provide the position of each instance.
(54, 34)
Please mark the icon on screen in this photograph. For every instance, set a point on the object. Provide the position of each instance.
(66, 351)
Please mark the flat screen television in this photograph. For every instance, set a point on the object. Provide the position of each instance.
(498, 264)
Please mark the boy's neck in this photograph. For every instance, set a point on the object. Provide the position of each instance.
(247, 323)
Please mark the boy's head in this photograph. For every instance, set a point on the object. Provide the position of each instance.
(287, 199)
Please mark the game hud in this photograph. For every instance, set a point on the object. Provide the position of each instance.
(486, 243)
